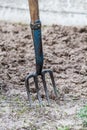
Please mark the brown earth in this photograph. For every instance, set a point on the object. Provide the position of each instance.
(65, 52)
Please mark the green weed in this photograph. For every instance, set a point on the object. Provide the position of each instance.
(64, 128)
(83, 115)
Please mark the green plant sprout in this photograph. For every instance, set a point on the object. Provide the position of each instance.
(83, 115)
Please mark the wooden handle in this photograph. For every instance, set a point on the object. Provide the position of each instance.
(34, 10)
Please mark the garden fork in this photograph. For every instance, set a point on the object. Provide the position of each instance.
(37, 39)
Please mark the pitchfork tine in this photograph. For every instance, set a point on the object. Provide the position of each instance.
(37, 89)
(45, 87)
(52, 79)
(53, 82)
(28, 89)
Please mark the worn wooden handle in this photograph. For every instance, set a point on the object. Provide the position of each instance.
(34, 10)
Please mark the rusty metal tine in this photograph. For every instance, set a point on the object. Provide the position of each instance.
(45, 87)
(53, 82)
(28, 89)
(37, 89)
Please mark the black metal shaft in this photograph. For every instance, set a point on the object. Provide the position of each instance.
(37, 39)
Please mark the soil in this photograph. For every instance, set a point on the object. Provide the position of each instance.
(65, 52)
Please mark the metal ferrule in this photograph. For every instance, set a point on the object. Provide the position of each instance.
(37, 39)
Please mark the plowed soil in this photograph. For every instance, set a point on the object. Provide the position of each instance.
(65, 52)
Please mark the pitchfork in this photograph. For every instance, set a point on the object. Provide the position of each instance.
(37, 39)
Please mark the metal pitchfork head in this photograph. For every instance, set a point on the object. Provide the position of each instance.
(35, 77)
(37, 39)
